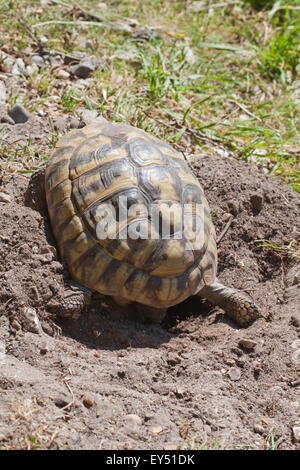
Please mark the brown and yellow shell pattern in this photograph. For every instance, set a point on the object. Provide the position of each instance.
(94, 166)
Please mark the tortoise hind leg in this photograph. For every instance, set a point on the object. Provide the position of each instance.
(236, 304)
(150, 314)
(140, 312)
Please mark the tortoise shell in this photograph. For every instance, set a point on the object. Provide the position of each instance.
(103, 166)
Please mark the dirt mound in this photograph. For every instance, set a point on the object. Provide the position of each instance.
(111, 383)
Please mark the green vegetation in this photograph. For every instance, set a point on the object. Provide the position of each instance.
(200, 75)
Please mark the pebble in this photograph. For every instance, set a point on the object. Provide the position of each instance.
(126, 55)
(16, 325)
(63, 74)
(156, 429)
(60, 124)
(83, 69)
(56, 61)
(19, 114)
(75, 436)
(134, 420)
(88, 402)
(2, 92)
(226, 216)
(31, 69)
(20, 64)
(88, 115)
(234, 373)
(2, 351)
(37, 60)
(7, 65)
(296, 344)
(171, 447)
(296, 358)
(74, 123)
(5, 197)
(197, 6)
(173, 359)
(31, 320)
(296, 433)
(258, 428)
(296, 279)
(15, 70)
(247, 343)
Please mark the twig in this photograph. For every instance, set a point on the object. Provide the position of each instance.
(225, 229)
(117, 26)
(198, 134)
(217, 5)
(52, 439)
(63, 4)
(245, 109)
(71, 391)
(241, 106)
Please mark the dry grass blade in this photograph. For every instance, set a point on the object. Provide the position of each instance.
(116, 26)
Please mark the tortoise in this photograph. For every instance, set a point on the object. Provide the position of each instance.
(96, 172)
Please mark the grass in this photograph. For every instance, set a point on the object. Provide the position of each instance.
(224, 79)
(292, 250)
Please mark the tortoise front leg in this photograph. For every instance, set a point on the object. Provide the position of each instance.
(75, 299)
(236, 304)
(150, 314)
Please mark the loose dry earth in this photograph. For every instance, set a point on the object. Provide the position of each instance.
(107, 382)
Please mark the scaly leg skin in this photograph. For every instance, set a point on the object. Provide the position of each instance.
(76, 297)
(236, 304)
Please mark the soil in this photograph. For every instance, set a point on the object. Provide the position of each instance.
(108, 382)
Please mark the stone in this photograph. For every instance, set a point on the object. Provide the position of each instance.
(197, 6)
(2, 92)
(30, 320)
(134, 420)
(20, 64)
(258, 428)
(7, 65)
(88, 115)
(60, 124)
(15, 70)
(31, 69)
(37, 60)
(295, 357)
(83, 69)
(19, 114)
(156, 429)
(130, 56)
(56, 61)
(102, 6)
(296, 433)
(247, 343)
(87, 401)
(62, 74)
(74, 123)
(5, 197)
(234, 373)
